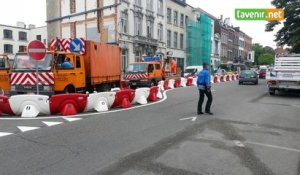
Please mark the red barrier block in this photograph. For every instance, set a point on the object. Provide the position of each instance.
(222, 78)
(233, 77)
(215, 79)
(124, 98)
(68, 104)
(166, 84)
(153, 93)
(227, 78)
(189, 81)
(237, 76)
(4, 106)
(177, 83)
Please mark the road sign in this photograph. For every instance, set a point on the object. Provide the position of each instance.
(36, 50)
(76, 45)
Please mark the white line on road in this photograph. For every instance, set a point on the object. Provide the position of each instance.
(52, 123)
(27, 128)
(189, 118)
(273, 146)
(2, 134)
(71, 119)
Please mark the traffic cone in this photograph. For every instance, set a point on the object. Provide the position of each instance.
(69, 109)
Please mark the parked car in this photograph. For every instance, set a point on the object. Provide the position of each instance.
(248, 76)
(262, 73)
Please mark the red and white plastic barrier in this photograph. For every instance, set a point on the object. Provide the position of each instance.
(141, 95)
(153, 93)
(29, 105)
(68, 104)
(96, 102)
(5, 106)
(124, 98)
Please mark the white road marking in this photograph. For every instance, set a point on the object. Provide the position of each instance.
(189, 118)
(71, 119)
(238, 143)
(273, 146)
(52, 123)
(2, 134)
(27, 128)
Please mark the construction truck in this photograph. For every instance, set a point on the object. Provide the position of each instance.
(152, 70)
(285, 75)
(99, 68)
(5, 70)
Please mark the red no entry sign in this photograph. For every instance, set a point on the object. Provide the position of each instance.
(36, 50)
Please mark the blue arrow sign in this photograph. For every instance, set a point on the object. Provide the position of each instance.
(76, 45)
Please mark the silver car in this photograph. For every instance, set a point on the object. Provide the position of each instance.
(248, 76)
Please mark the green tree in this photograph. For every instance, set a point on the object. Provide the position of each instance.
(266, 59)
(289, 34)
(258, 49)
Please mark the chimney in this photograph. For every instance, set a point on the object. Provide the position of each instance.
(21, 24)
(221, 17)
(31, 26)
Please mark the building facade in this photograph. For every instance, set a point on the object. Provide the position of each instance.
(16, 38)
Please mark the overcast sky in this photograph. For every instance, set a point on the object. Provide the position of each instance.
(34, 12)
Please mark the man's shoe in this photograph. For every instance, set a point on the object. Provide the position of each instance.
(208, 112)
(199, 113)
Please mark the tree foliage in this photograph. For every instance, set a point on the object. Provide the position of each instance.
(262, 52)
(289, 34)
(266, 59)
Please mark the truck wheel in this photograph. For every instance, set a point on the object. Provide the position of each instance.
(69, 89)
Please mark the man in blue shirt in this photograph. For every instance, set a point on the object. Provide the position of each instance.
(204, 86)
(67, 64)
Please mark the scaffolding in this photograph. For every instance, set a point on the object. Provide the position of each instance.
(199, 41)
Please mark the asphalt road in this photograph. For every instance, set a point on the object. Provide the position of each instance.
(249, 133)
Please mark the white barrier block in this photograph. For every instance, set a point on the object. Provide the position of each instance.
(195, 81)
(171, 83)
(110, 96)
(161, 85)
(159, 94)
(183, 82)
(102, 105)
(39, 102)
(115, 89)
(30, 111)
(93, 101)
(141, 95)
(212, 79)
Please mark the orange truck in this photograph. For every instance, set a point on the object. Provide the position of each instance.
(5, 70)
(99, 68)
(149, 72)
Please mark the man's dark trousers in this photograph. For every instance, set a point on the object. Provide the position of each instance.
(201, 99)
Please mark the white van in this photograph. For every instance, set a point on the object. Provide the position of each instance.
(192, 70)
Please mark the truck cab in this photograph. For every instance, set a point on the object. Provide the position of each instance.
(5, 70)
(143, 74)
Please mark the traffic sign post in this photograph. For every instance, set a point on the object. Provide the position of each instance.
(36, 51)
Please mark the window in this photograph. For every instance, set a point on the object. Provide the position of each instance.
(181, 20)
(160, 7)
(157, 66)
(23, 36)
(72, 6)
(175, 19)
(181, 41)
(7, 34)
(8, 48)
(124, 22)
(169, 13)
(124, 59)
(150, 68)
(186, 20)
(149, 28)
(22, 48)
(138, 26)
(150, 4)
(160, 32)
(169, 38)
(78, 65)
(175, 39)
(39, 37)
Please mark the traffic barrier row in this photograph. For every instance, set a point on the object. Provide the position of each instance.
(71, 104)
